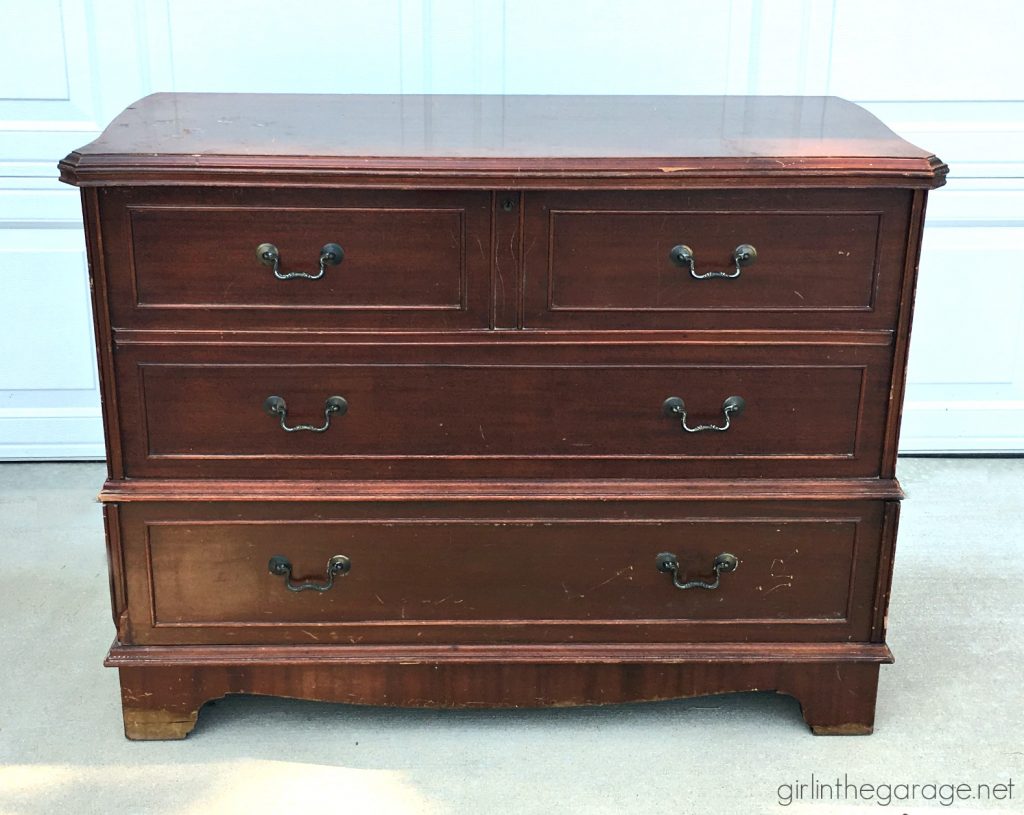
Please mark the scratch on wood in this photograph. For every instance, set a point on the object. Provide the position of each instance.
(122, 625)
(619, 573)
(569, 595)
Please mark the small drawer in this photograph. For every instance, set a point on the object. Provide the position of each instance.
(331, 259)
(688, 410)
(249, 573)
(743, 259)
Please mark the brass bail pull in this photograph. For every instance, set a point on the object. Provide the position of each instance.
(277, 407)
(331, 254)
(743, 255)
(337, 566)
(676, 408)
(669, 563)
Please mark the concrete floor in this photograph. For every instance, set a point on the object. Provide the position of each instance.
(950, 710)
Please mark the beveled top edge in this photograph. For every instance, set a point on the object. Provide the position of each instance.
(208, 136)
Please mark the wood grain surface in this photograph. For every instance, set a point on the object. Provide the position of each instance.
(555, 573)
(164, 702)
(497, 141)
(491, 411)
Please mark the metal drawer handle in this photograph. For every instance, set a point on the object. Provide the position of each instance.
(742, 255)
(330, 255)
(276, 406)
(668, 562)
(337, 566)
(732, 406)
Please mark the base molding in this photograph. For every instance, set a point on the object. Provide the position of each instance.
(579, 653)
(163, 702)
(321, 491)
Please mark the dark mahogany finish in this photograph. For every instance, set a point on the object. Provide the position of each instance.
(505, 326)
(411, 260)
(501, 142)
(490, 411)
(432, 574)
(825, 259)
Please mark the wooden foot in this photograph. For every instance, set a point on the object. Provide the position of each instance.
(837, 699)
(850, 729)
(159, 703)
(157, 725)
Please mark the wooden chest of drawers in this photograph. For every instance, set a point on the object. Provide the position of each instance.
(466, 401)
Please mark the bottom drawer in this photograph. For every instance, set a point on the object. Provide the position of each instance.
(484, 572)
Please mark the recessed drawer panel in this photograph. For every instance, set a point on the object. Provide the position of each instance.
(714, 259)
(331, 259)
(258, 573)
(693, 410)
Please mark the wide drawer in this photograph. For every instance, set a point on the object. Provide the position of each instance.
(338, 258)
(503, 410)
(483, 573)
(820, 259)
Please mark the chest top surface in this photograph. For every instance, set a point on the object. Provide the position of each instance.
(483, 140)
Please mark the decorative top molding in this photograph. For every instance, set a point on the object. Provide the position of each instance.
(510, 141)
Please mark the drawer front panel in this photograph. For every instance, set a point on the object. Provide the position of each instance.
(496, 412)
(799, 575)
(404, 261)
(823, 259)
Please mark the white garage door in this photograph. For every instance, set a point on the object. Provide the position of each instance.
(948, 76)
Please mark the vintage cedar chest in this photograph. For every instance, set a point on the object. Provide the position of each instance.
(500, 401)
